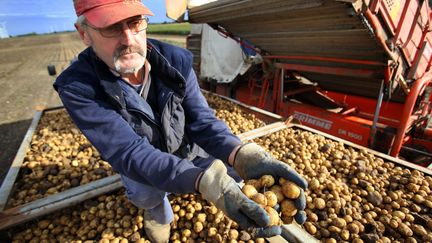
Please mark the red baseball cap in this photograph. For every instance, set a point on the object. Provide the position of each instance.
(102, 13)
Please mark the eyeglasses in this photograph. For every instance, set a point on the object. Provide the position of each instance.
(115, 30)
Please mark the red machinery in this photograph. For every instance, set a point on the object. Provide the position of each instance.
(356, 69)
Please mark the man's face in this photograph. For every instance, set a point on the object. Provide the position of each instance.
(124, 52)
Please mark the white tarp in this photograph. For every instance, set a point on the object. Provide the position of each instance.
(222, 58)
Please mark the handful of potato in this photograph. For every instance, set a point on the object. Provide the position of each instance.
(276, 198)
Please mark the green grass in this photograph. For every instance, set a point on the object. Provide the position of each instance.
(176, 43)
(169, 29)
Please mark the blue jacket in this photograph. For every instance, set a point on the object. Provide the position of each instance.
(151, 141)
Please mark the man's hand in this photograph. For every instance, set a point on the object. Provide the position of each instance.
(252, 162)
(219, 188)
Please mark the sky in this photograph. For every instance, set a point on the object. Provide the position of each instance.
(47, 16)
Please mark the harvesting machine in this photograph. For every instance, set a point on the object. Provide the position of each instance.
(356, 69)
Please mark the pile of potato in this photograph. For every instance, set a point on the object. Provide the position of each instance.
(276, 197)
(112, 218)
(59, 157)
(108, 218)
(232, 114)
(354, 196)
(196, 220)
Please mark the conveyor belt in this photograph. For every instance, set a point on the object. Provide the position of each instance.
(302, 30)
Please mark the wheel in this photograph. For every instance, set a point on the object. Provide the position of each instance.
(51, 70)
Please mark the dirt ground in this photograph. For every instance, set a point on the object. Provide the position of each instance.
(26, 85)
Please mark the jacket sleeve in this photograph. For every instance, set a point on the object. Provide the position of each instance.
(127, 152)
(203, 127)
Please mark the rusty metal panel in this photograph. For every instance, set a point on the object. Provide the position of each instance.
(234, 9)
(194, 45)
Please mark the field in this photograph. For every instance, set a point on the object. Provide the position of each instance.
(175, 29)
(26, 85)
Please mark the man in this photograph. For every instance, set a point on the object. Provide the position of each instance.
(138, 102)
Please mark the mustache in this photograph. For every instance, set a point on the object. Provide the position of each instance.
(123, 50)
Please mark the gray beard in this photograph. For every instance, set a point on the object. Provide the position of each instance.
(127, 70)
(125, 50)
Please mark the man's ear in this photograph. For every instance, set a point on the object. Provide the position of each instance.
(83, 34)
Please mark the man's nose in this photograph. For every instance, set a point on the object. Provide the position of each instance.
(127, 37)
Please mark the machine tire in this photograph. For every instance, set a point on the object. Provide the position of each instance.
(51, 69)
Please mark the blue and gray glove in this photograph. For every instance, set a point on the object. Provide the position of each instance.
(252, 161)
(218, 187)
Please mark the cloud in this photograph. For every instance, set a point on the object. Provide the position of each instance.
(18, 14)
(59, 16)
(39, 8)
(43, 15)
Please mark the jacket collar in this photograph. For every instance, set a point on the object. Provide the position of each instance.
(161, 68)
(164, 70)
(107, 80)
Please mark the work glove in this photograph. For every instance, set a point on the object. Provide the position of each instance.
(252, 161)
(218, 187)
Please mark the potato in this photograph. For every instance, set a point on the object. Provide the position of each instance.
(175, 208)
(273, 215)
(429, 224)
(290, 190)
(182, 213)
(197, 206)
(186, 233)
(189, 216)
(345, 235)
(330, 240)
(319, 203)
(267, 181)
(233, 234)
(255, 183)
(287, 219)
(420, 230)
(394, 223)
(310, 228)
(353, 228)
(201, 217)
(260, 199)
(212, 210)
(398, 214)
(405, 230)
(339, 222)
(43, 224)
(249, 190)
(260, 240)
(288, 208)
(212, 232)
(277, 190)
(272, 199)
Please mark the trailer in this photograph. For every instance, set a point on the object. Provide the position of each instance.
(30, 217)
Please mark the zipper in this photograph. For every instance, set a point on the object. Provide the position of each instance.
(162, 134)
(169, 96)
(145, 115)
